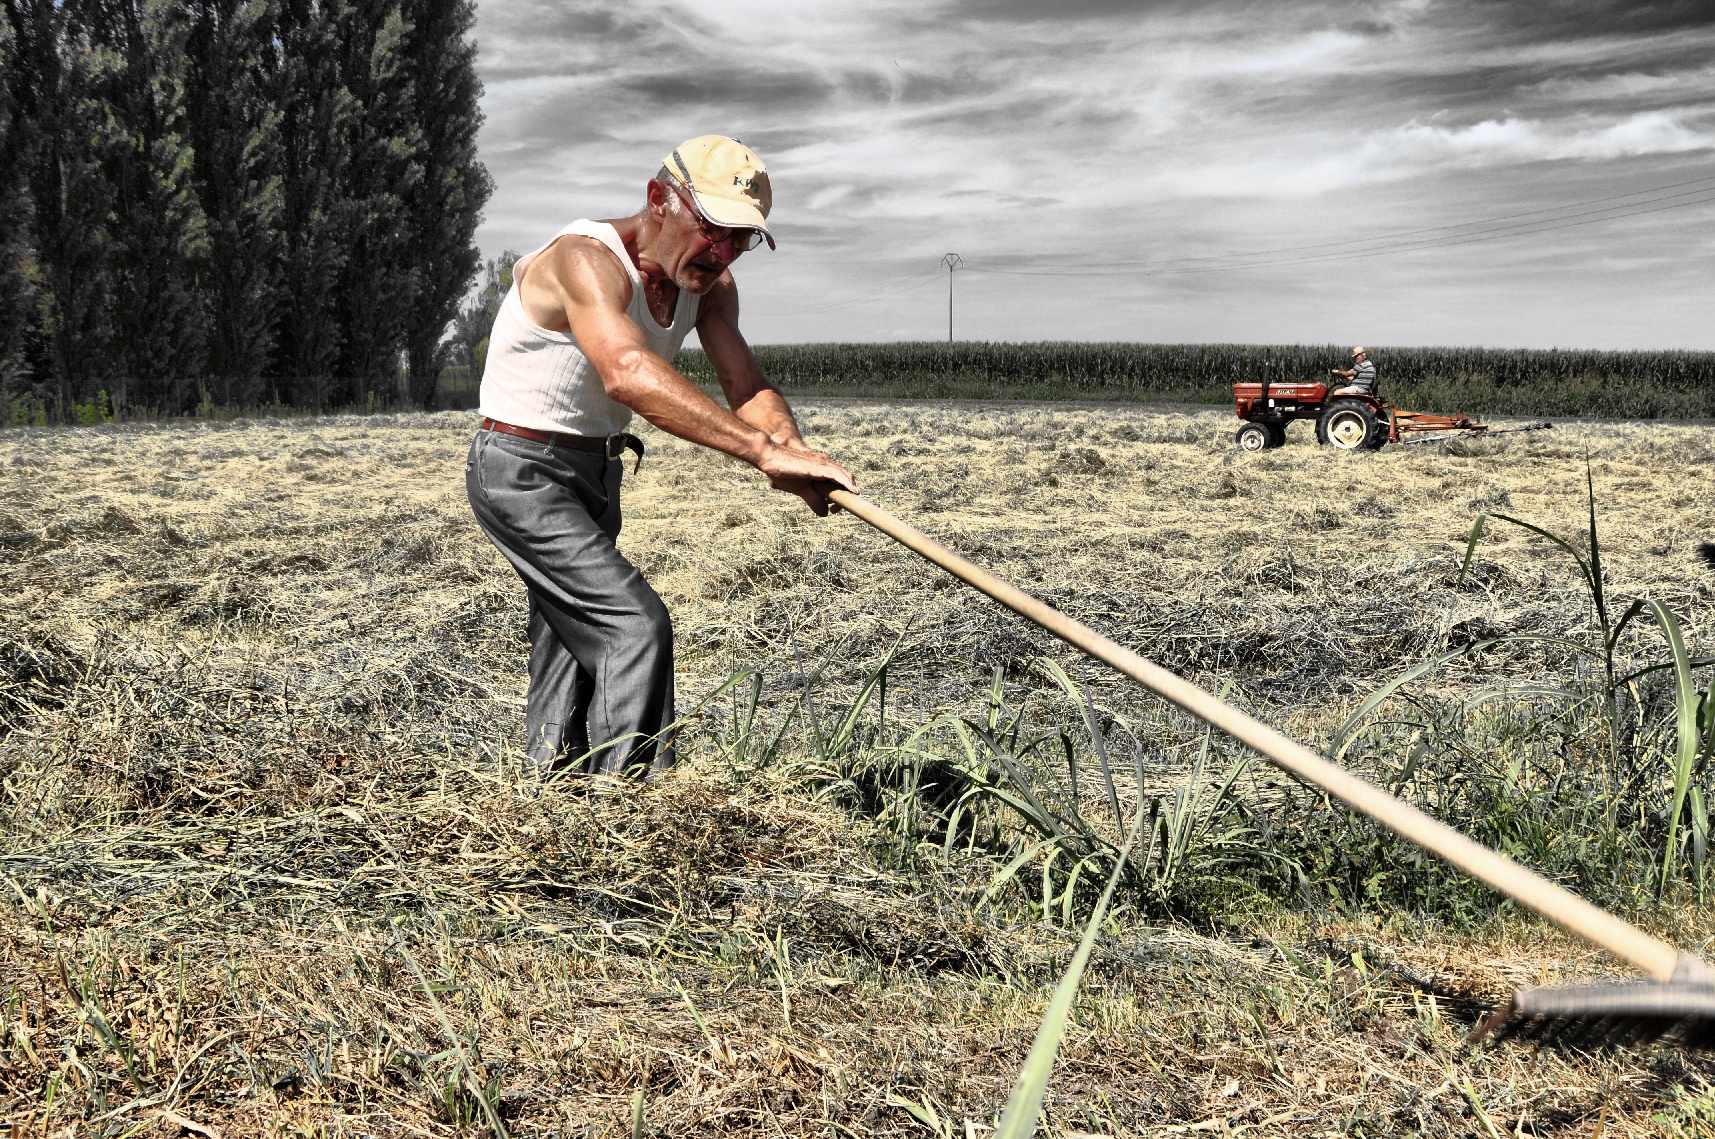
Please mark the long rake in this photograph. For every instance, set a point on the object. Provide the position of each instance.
(1677, 1004)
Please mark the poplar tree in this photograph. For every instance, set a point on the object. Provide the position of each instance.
(232, 69)
(444, 206)
(311, 156)
(61, 146)
(376, 283)
(20, 326)
(234, 199)
(157, 242)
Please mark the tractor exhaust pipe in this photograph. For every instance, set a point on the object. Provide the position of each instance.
(1679, 1003)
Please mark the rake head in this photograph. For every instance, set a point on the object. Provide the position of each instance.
(1619, 1014)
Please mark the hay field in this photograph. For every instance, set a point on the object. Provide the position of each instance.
(267, 866)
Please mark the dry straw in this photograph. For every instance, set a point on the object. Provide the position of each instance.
(268, 861)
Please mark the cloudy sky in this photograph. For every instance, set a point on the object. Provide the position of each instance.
(1527, 173)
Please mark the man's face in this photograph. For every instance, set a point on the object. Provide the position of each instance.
(693, 252)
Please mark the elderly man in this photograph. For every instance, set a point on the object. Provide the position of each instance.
(1360, 377)
(582, 341)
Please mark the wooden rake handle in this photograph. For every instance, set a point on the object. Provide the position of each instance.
(1525, 887)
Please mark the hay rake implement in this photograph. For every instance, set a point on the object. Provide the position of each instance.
(1677, 1004)
(1345, 421)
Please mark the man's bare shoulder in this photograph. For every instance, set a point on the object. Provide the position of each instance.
(574, 270)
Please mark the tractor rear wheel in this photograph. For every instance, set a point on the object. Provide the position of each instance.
(1255, 437)
(1349, 425)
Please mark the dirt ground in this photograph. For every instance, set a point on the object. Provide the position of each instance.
(269, 866)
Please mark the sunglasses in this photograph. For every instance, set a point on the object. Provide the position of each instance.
(743, 238)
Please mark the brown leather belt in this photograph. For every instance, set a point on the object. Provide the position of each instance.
(613, 446)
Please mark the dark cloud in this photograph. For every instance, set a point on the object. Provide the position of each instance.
(1535, 21)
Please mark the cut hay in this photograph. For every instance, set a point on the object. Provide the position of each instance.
(260, 700)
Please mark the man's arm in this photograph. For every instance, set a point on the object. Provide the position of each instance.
(752, 398)
(748, 392)
(581, 278)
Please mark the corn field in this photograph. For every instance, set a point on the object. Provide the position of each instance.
(1662, 384)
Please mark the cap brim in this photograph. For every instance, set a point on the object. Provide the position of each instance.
(735, 214)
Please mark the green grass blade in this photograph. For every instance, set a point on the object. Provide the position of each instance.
(841, 741)
(1013, 867)
(1541, 639)
(1685, 701)
(1709, 722)
(1471, 546)
(1343, 737)
(475, 1087)
(1046, 819)
(1542, 691)
(1596, 589)
(1080, 694)
(1101, 746)
(1018, 1121)
(1632, 610)
(1696, 662)
(1583, 566)
(1699, 833)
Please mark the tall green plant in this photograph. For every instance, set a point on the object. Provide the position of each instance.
(1590, 569)
(1691, 710)
(1018, 1119)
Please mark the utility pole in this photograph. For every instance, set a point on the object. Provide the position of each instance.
(951, 261)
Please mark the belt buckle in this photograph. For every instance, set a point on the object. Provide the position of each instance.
(615, 446)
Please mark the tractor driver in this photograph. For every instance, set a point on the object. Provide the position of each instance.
(1360, 377)
(583, 342)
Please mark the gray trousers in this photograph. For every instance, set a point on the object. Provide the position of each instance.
(601, 642)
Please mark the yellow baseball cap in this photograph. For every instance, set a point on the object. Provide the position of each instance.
(727, 179)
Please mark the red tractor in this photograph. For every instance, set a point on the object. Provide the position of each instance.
(1344, 422)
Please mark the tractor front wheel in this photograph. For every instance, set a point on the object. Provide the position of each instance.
(1256, 437)
(1349, 425)
(1252, 438)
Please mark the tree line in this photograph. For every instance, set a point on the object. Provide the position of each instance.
(233, 202)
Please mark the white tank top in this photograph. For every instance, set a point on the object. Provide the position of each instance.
(542, 380)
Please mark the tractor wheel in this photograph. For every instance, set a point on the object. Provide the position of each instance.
(1254, 437)
(1349, 425)
(1276, 434)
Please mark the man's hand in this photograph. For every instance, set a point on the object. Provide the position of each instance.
(797, 470)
